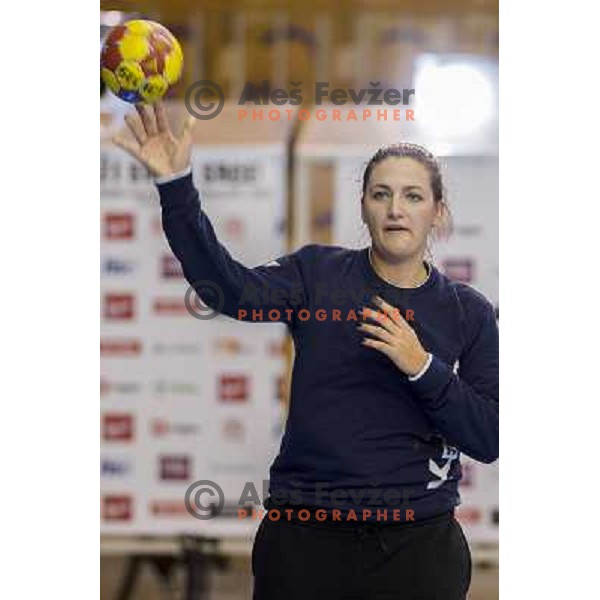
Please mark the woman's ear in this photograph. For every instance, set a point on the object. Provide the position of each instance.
(439, 215)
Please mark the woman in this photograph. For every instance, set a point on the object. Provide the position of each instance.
(396, 373)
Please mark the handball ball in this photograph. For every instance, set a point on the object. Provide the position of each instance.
(140, 60)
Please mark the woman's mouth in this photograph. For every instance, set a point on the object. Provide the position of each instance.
(396, 229)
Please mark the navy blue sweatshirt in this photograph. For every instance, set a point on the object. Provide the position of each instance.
(360, 435)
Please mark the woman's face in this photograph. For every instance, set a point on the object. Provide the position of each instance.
(399, 209)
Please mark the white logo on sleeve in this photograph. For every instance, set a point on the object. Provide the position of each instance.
(450, 453)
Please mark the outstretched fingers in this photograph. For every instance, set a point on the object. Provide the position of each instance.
(188, 128)
(125, 142)
(160, 114)
(148, 118)
(134, 122)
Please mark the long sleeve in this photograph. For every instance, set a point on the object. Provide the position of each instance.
(464, 406)
(267, 293)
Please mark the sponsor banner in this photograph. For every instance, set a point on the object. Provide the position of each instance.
(174, 467)
(170, 307)
(233, 430)
(119, 172)
(171, 388)
(115, 468)
(117, 427)
(116, 387)
(177, 349)
(119, 226)
(459, 269)
(117, 507)
(116, 266)
(176, 391)
(118, 307)
(233, 388)
(120, 347)
(169, 508)
(170, 267)
(164, 427)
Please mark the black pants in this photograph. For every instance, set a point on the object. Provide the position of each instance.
(425, 560)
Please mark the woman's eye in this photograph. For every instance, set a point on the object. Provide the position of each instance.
(380, 194)
(414, 197)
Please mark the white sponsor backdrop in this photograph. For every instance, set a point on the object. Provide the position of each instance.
(184, 399)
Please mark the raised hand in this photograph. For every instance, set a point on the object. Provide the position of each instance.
(153, 143)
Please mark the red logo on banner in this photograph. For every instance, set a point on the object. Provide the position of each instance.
(118, 307)
(123, 347)
(276, 348)
(169, 306)
(175, 467)
(233, 429)
(459, 269)
(119, 226)
(170, 267)
(117, 508)
(280, 387)
(160, 427)
(468, 515)
(467, 475)
(156, 226)
(168, 508)
(118, 427)
(234, 228)
(229, 345)
(233, 388)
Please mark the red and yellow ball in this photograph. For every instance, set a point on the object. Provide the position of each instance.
(140, 61)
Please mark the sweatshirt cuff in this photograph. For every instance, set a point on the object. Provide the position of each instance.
(177, 192)
(430, 385)
(173, 176)
(423, 370)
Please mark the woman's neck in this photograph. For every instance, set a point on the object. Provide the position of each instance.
(409, 273)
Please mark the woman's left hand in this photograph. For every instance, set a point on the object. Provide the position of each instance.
(395, 338)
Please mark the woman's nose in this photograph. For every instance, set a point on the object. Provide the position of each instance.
(395, 208)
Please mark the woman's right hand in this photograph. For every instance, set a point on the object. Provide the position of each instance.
(153, 143)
